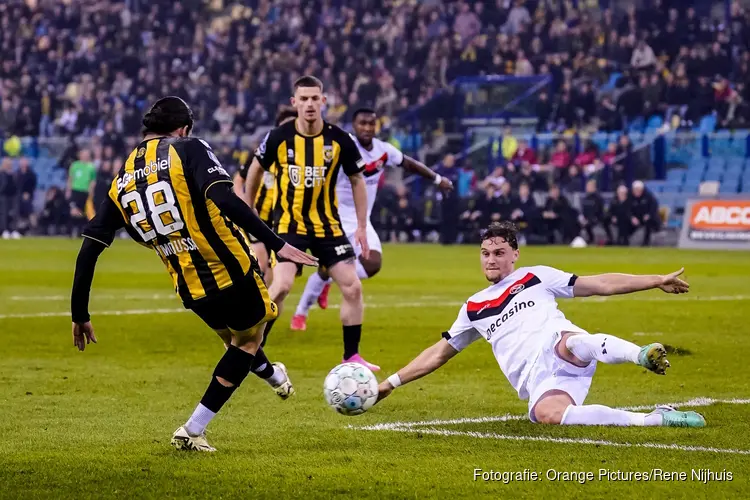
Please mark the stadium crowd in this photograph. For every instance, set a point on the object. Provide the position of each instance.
(88, 68)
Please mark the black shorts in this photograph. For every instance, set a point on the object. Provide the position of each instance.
(329, 251)
(79, 199)
(239, 307)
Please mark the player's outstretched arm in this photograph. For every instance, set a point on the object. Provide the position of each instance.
(427, 362)
(419, 168)
(83, 331)
(618, 284)
(359, 193)
(252, 183)
(98, 235)
(239, 213)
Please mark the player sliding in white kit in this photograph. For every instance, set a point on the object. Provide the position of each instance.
(546, 358)
(378, 155)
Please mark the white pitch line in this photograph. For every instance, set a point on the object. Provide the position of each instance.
(395, 305)
(59, 314)
(58, 298)
(544, 439)
(691, 403)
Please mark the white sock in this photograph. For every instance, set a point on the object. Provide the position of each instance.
(199, 420)
(602, 347)
(277, 378)
(604, 415)
(313, 289)
(361, 273)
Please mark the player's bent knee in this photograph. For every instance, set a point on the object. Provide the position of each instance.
(548, 415)
(352, 292)
(249, 340)
(551, 407)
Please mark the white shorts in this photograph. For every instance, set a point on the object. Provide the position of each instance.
(550, 372)
(373, 240)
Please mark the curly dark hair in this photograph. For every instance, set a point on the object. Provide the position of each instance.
(167, 115)
(505, 230)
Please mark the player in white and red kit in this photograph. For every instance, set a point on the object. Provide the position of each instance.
(377, 155)
(546, 358)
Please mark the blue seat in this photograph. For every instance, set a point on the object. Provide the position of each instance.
(697, 165)
(712, 175)
(736, 165)
(676, 175)
(694, 176)
(707, 124)
(690, 186)
(728, 188)
(655, 186)
(717, 163)
(654, 123)
(746, 186)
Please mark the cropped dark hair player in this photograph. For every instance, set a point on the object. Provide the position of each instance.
(309, 154)
(264, 199)
(173, 196)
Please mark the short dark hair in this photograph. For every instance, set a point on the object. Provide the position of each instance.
(308, 81)
(284, 114)
(505, 230)
(363, 111)
(167, 115)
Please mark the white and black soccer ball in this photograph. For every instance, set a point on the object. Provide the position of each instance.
(350, 389)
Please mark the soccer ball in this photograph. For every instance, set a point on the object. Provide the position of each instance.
(350, 389)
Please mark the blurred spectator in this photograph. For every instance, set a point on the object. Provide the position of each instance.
(509, 144)
(643, 57)
(27, 182)
(8, 193)
(496, 179)
(644, 211)
(560, 160)
(104, 177)
(619, 215)
(574, 181)
(450, 203)
(525, 213)
(55, 214)
(505, 201)
(404, 222)
(524, 153)
(559, 217)
(593, 213)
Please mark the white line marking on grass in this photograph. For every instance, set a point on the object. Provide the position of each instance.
(57, 298)
(127, 312)
(544, 439)
(691, 403)
(395, 305)
(429, 427)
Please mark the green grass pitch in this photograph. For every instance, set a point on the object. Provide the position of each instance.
(98, 424)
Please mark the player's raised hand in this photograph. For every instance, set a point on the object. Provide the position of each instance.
(297, 256)
(83, 333)
(360, 237)
(446, 185)
(671, 283)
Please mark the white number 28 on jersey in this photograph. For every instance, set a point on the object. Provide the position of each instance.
(154, 212)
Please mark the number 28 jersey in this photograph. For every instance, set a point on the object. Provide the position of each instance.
(160, 199)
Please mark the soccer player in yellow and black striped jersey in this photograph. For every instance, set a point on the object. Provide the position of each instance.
(173, 196)
(308, 155)
(264, 200)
